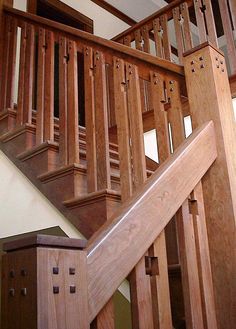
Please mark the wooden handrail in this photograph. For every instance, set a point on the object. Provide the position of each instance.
(122, 241)
(95, 41)
(165, 10)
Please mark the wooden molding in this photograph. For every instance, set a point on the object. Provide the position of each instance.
(114, 11)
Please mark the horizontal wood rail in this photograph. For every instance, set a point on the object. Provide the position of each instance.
(122, 241)
(92, 40)
(192, 22)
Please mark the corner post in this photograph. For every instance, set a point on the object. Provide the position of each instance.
(44, 284)
(210, 99)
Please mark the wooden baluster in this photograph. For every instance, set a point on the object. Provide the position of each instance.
(123, 135)
(138, 40)
(63, 101)
(105, 319)
(231, 48)
(101, 123)
(6, 47)
(29, 75)
(146, 39)
(90, 120)
(72, 103)
(141, 300)
(139, 281)
(160, 284)
(188, 43)
(203, 257)
(178, 34)
(190, 277)
(175, 115)
(49, 88)
(20, 98)
(232, 5)
(157, 37)
(210, 21)
(127, 40)
(40, 86)
(10, 82)
(200, 21)
(160, 116)
(136, 126)
(166, 41)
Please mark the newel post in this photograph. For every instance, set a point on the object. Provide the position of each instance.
(210, 99)
(44, 284)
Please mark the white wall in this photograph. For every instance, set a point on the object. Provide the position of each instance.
(23, 208)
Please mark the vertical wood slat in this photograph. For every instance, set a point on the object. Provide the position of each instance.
(90, 120)
(73, 107)
(123, 135)
(200, 21)
(10, 82)
(5, 62)
(157, 37)
(101, 123)
(141, 301)
(40, 86)
(175, 115)
(178, 34)
(138, 40)
(210, 21)
(29, 69)
(232, 5)
(20, 98)
(136, 126)
(146, 39)
(63, 106)
(49, 88)
(231, 48)
(190, 277)
(160, 283)
(160, 116)
(203, 256)
(127, 40)
(188, 43)
(105, 318)
(166, 40)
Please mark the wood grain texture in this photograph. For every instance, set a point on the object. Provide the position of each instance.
(219, 185)
(200, 22)
(101, 123)
(90, 120)
(210, 22)
(178, 34)
(157, 201)
(92, 40)
(72, 103)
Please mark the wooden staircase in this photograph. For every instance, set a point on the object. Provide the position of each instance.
(142, 220)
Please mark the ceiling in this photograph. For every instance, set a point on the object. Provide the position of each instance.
(138, 9)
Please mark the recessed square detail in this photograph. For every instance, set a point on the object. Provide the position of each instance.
(23, 291)
(72, 271)
(55, 289)
(72, 289)
(12, 292)
(55, 270)
(12, 274)
(23, 272)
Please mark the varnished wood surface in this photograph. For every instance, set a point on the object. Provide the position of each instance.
(44, 240)
(121, 50)
(219, 185)
(154, 201)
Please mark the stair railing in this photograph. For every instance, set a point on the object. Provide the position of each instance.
(68, 279)
(192, 23)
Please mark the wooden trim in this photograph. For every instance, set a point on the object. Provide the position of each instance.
(166, 10)
(120, 50)
(46, 241)
(232, 82)
(116, 12)
(62, 7)
(156, 201)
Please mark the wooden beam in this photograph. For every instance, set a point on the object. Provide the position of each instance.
(157, 202)
(210, 99)
(114, 11)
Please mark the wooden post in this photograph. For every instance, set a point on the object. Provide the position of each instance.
(44, 284)
(210, 99)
